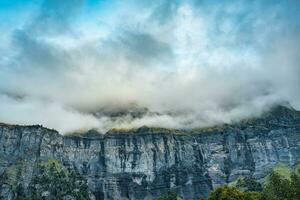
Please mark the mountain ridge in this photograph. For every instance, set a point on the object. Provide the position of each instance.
(149, 162)
(275, 111)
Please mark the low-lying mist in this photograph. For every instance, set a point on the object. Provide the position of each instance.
(173, 64)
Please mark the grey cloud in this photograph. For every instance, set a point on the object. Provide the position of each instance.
(184, 75)
(37, 54)
(144, 48)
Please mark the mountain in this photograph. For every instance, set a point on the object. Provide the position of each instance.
(147, 162)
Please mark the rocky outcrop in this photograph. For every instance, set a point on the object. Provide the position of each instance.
(147, 162)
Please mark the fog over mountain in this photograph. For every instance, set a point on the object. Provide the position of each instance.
(74, 64)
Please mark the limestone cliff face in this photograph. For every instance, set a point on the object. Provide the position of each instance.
(145, 163)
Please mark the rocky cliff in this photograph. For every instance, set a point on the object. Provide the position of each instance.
(147, 162)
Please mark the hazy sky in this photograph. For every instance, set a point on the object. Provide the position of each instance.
(191, 63)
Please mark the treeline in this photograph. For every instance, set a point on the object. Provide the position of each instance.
(276, 186)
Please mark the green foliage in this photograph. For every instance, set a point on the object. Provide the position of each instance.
(295, 184)
(55, 182)
(232, 193)
(281, 184)
(248, 184)
(277, 188)
(280, 187)
(283, 170)
(12, 175)
(169, 196)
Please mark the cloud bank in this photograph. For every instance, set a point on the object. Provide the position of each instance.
(75, 65)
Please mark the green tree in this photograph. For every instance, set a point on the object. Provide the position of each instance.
(277, 188)
(282, 188)
(232, 193)
(169, 196)
(295, 185)
(249, 184)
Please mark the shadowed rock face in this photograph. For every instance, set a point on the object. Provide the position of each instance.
(147, 162)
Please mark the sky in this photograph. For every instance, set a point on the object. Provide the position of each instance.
(69, 64)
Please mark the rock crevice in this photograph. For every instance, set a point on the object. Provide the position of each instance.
(148, 163)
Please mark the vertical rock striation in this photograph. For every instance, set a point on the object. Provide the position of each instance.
(147, 162)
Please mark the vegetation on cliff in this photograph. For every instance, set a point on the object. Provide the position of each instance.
(282, 184)
(51, 182)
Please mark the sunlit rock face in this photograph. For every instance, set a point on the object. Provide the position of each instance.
(147, 162)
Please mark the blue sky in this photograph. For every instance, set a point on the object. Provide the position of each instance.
(204, 61)
(236, 25)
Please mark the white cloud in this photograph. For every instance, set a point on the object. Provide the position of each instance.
(190, 65)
